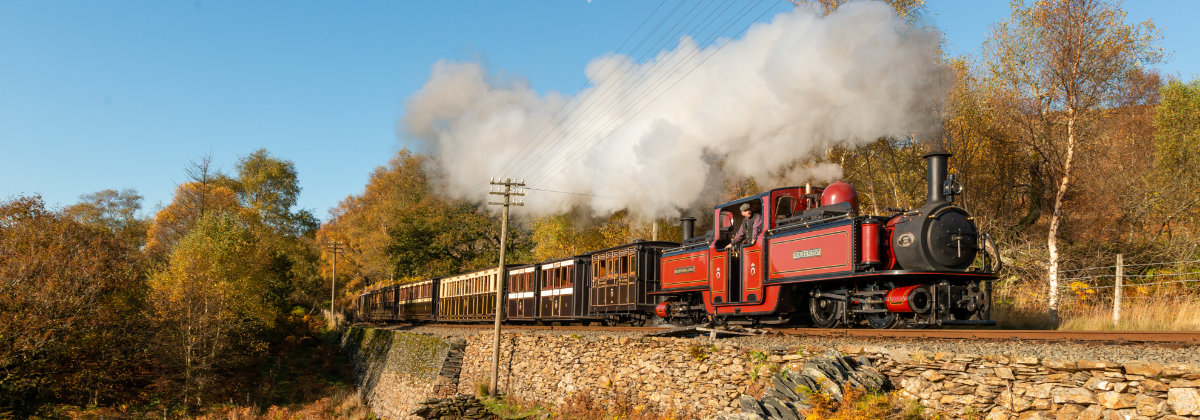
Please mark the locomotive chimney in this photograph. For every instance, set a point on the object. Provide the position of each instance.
(687, 227)
(935, 176)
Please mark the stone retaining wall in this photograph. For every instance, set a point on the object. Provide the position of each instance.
(395, 371)
(701, 378)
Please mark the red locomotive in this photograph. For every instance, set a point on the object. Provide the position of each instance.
(817, 258)
(812, 259)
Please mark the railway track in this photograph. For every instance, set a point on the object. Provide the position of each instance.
(1098, 337)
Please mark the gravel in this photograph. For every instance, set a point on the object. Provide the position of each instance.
(1116, 353)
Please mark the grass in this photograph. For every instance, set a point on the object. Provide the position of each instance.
(1171, 315)
(1022, 305)
(343, 403)
(339, 403)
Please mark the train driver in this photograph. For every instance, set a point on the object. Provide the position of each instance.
(754, 220)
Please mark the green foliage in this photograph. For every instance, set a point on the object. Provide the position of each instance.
(505, 409)
(1177, 155)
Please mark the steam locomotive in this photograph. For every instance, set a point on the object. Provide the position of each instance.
(816, 262)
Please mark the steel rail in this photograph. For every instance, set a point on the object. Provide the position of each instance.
(1181, 337)
(1108, 337)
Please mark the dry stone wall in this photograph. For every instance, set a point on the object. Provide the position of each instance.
(701, 378)
(1007, 387)
(396, 371)
(689, 378)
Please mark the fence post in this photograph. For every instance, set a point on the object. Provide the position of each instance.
(1117, 289)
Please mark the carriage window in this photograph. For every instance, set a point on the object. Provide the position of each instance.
(726, 220)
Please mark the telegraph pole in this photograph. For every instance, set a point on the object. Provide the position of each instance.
(508, 193)
(336, 248)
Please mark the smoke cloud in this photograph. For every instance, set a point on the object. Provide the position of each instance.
(656, 137)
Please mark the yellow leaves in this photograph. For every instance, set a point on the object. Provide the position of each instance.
(1081, 290)
(192, 200)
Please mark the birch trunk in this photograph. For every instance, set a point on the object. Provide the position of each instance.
(1055, 218)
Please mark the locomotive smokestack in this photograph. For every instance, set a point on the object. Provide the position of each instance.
(935, 175)
(687, 227)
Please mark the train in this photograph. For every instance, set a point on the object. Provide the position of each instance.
(813, 261)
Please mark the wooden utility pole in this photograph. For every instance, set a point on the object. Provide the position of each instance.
(508, 193)
(336, 248)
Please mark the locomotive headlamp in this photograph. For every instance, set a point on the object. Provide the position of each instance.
(951, 187)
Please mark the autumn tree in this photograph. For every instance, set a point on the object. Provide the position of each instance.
(270, 187)
(1061, 61)
(71, 297)
(113, 210)
(192, 201)
(1176, 157)
(212, 302)
(401, 227)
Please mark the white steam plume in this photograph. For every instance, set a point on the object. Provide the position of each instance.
(643, 136)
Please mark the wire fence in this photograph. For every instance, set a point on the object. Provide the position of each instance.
(1152, 283)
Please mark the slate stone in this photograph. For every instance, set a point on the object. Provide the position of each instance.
(772, 411)
(783, 411)
(784, 389)
(750, 405)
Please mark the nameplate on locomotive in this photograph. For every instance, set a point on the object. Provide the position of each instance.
(808, 253)
(685, 270)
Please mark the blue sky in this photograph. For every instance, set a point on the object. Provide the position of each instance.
(97, 95)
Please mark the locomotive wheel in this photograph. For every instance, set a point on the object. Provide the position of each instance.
(637, 321)
(882, 321)
(825, 312)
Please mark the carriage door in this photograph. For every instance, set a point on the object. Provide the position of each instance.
(719, 268)
(520, 283)
(556, 283)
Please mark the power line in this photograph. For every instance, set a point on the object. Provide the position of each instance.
(566, 192)
(591, 125)
(581, 152)
(584, 117)
(520, 156)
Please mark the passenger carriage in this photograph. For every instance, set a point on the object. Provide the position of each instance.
(622, 280)
(468, 297)
(521, 302)
(563, 288)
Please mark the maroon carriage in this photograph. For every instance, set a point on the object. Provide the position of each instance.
(521, 303)
(623, 279)
(563, 289)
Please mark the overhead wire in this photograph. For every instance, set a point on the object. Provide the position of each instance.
(635, 94)
(581, 130)
(520, 156)
(586, 114)
(578, 153)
